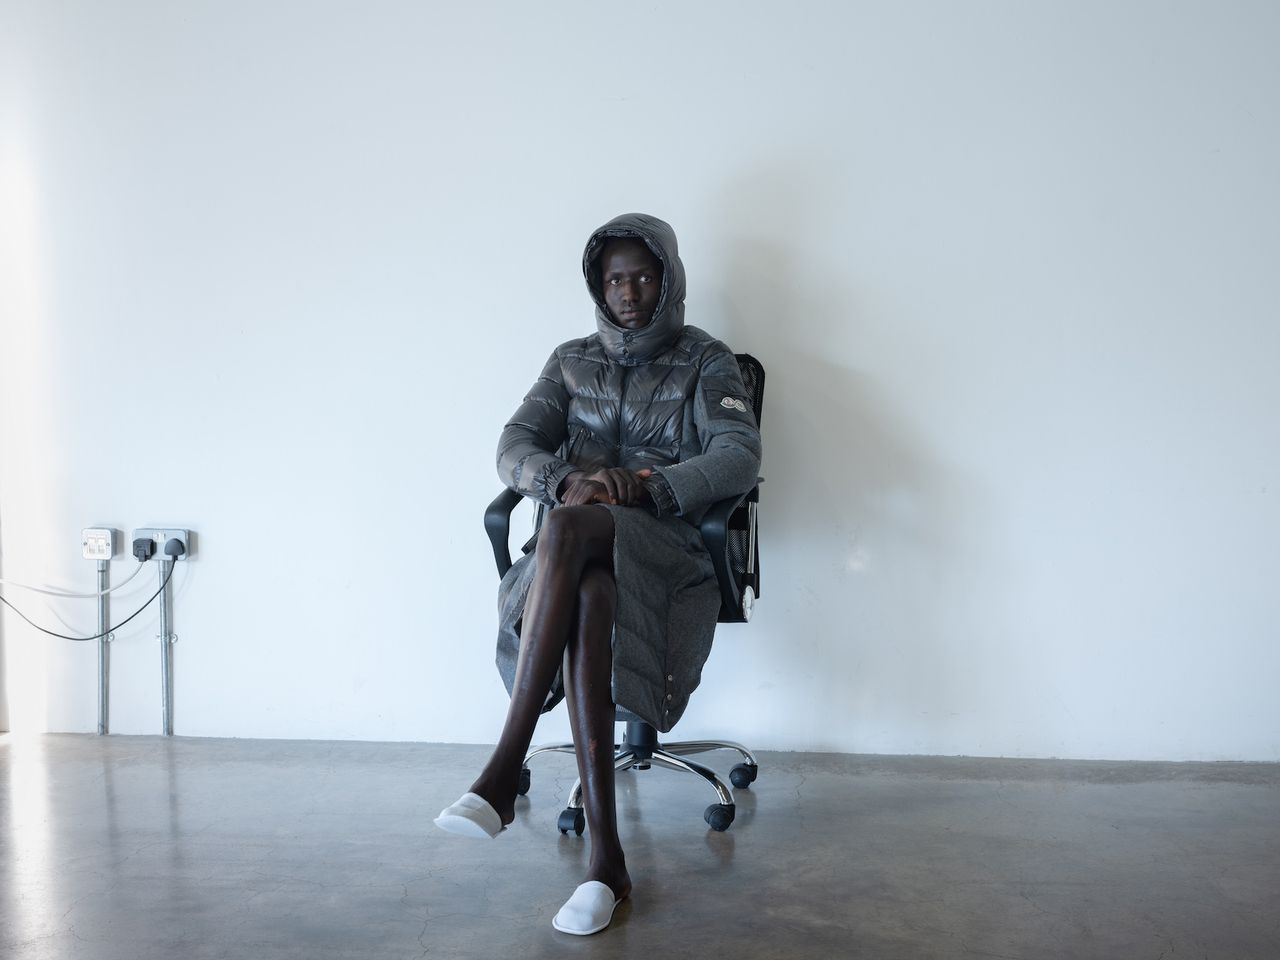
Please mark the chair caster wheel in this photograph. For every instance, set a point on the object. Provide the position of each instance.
(571, 819)
(523, 786)
(744, 775)
(719, 816)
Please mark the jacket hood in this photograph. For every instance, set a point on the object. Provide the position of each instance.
(630, 347)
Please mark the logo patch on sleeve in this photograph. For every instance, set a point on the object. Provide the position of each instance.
(733, 403)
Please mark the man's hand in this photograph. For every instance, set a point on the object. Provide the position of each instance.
(623, 486)
(614, 485)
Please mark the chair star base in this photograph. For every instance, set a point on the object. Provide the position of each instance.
(640, 749)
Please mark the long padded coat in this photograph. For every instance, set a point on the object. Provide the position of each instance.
(668, 397)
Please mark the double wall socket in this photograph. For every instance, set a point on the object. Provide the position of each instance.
(99, 543)
(162, 535)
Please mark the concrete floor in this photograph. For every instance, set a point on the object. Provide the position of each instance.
(139, 847)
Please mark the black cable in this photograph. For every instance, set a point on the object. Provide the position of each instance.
(96, 636)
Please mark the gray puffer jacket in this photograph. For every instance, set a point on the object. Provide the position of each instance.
(667, 396)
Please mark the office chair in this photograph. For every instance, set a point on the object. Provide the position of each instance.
(729, 532)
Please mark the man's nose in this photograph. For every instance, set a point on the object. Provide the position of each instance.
(630, 292)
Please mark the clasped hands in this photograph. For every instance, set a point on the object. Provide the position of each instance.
(614, 485)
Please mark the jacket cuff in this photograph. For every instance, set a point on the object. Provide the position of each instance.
(553, 478)
(660, 492)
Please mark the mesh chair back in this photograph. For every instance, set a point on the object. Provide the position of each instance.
(753, 377)
(738, 539)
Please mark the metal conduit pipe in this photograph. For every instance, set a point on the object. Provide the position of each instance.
(166, 651)
(104, 652)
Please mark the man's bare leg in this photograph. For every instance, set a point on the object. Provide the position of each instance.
(570, 540)
(588, 673)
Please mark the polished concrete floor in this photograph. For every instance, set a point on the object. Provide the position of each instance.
(140, 847)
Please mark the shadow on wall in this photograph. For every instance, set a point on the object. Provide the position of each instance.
(857, 538)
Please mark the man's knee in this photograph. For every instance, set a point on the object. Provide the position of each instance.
(567, 530)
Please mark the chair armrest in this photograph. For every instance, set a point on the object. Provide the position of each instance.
(715, 534)
(497, 524)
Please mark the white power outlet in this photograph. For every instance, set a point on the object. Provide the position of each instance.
(162, 535)
(99, 543)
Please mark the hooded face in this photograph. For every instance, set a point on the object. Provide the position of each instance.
(631, 281)
(647, 248)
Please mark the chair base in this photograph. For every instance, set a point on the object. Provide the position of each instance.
(640, 749)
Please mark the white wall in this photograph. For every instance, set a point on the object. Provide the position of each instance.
(278, 272)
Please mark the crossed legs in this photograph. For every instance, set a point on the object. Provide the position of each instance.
(568, 621)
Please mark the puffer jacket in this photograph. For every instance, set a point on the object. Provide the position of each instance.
(668, 397)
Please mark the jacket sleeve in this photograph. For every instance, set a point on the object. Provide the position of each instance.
(730, 460)
(527, 459)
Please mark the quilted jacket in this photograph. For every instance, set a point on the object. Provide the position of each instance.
(667, 396)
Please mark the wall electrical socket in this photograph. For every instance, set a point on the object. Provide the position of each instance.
(162, 535)
(99, 543)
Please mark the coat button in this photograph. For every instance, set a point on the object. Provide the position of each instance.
(668, 696)
(670, 678)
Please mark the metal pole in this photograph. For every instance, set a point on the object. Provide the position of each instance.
(166, 651)
(104, 652)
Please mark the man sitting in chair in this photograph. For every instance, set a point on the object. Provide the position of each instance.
(629, 435)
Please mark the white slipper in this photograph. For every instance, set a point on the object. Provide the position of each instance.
(470, 816)
(588, 911)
